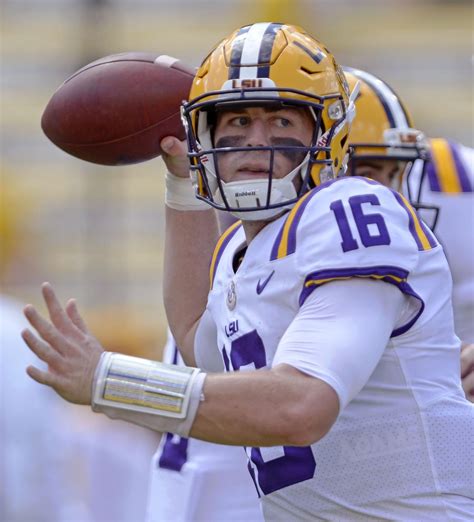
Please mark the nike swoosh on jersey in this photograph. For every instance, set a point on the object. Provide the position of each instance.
(261, 286)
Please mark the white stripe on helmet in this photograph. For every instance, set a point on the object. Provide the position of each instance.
(251, 50)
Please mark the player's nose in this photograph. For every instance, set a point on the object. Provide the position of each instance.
(257, 134)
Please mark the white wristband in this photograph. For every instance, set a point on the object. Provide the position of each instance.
(180, 194)
(163, 397)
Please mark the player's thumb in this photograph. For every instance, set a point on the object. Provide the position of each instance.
(172, 146)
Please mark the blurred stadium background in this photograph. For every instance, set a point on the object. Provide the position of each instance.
(96, 232)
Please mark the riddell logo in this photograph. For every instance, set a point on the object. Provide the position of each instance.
(245, 193)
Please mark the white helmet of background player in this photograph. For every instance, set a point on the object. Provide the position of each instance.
(281, 65)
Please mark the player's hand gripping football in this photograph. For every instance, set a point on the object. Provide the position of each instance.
(65, 345)
(175, 156)
(467, 370)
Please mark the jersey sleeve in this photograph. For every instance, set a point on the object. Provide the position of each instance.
(355, 227)
(333, 319)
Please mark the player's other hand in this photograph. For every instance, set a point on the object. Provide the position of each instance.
(65, 345)
(175, 156)
(467, 370)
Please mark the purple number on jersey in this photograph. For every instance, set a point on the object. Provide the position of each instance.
(297, 464)
(174, 453)
(362, 221)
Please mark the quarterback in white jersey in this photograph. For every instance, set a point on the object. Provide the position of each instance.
(343, 366)
(436, 175)
(391, 437)
(190, 479)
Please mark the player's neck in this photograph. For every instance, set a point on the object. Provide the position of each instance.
(252, 228)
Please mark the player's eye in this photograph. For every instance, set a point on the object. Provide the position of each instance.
(283, 122)
(240, 121)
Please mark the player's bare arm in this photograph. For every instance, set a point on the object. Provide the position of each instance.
(277, 406)
(257, 408)
(189, 241)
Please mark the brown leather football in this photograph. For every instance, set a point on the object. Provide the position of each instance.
(116, 110)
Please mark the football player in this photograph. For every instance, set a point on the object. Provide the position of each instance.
(323, 304)
(437, 175)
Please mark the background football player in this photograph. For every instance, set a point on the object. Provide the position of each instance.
(437, 175)
(349, 415)
(190, 479)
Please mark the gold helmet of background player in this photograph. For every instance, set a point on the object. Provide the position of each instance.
(382, 128)
(281, 65)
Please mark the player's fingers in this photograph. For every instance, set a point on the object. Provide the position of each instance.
(57, 314)
(73, 314)
(45, 329)
(468, 386)
(41, 349)
(173, 146)
(41, 376)
(467, 359)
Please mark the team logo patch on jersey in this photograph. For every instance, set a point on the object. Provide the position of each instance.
(231, 296)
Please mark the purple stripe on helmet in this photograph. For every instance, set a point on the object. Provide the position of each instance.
(464, 181)
(221, 250)
(384, 271)
(411, 221)
(265, 51)
(317, 57)
(432, 173)
(236, 53)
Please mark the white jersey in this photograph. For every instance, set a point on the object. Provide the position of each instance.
(403, 448)
(195, 480)
(448, 184)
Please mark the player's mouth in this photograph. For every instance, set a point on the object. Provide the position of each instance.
(253, 171)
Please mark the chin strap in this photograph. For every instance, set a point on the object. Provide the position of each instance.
(253, 193)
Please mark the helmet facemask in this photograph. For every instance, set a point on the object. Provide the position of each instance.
(403, 146)
(259, 198)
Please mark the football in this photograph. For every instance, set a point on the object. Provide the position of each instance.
(116, 110)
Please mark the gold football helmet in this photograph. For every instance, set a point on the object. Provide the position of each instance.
(279, 65)
(383, 130)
